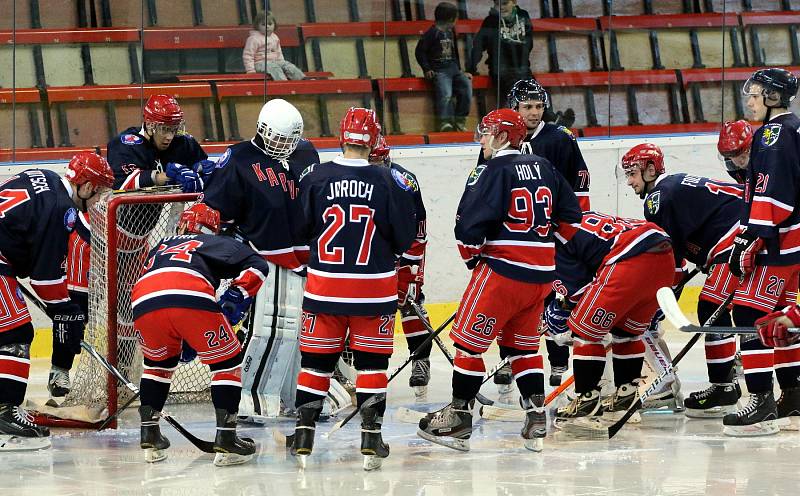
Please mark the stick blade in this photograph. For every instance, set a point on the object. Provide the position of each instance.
(669, 305)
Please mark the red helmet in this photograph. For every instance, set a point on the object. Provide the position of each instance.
(359, 127)
(380, 153)
(497, 121)
(642, 155)
(734, 138)
(199, 219)
(89, 167)
(163, 109)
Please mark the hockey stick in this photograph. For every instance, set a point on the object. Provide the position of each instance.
(483, 400)
(204, 446)
(668, 310)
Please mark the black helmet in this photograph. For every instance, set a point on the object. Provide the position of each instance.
(524, 90)
(776, 84)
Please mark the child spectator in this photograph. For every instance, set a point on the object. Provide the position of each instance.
(437, 54)
(262, 51)
(506, 35)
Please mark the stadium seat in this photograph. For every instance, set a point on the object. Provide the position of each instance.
(21, 128)
(772, 37)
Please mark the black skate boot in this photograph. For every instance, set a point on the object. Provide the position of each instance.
(307, 416)
(716, 401)
(18, 432)
(152, 441)
(757, 418)
(788, 406)
(619, 403)
(230, 448)
(372, 446)
(583, 405)
(505, 384)
(58, 385)
(535, 428)
(451, 426)
(555, 375)
(420, 376)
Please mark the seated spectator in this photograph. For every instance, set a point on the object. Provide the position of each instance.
(262, 51)
(437, 54)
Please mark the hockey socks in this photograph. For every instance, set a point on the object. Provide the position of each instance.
(628, 357)
(154, 386)
(226, 388)
(588, 363)
(528, 373)
(370, 383)
(468, 371)
(720, 349)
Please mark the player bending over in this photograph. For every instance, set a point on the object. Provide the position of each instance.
(359, 219)
(37, 218)
(508, 215)
(174, 301)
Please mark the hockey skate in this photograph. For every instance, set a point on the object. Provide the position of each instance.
(788, 406)
(535, 428)
(556, 373)
(372, 446)
(758, 418)
(58, 385)
(18, 432)
(307, 416)
(505, 384)
(420, 376)
(451, 426)
(716, 401)
(230, 448)
(618, 403)
(152, 441)
(585, 405)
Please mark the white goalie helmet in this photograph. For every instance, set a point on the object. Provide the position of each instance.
(281, 126)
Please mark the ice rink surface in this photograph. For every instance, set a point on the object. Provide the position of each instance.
(665, 454)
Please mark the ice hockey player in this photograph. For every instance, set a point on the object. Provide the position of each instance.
(359, 219)
(410, 278)
(255, 189)
(174, 301)
(766, 253)
(512, 207)
(701, 217)
(39, 213)
(558, 145)
(610, 271)
(733, 146)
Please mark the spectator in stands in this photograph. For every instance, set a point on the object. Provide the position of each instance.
(506, 35)
(437, 54)
(262, 51)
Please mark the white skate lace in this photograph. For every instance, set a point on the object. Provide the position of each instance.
(421, 368)
(751, 406)
(701, 395)
(23, 417)
(442, 418)
(61, 380)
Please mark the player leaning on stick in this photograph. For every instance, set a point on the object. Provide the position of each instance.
(700, 216)
(359, 218)
(509, 213)
(410, 278)
(174, 301)
(766, 251)
(36, 218)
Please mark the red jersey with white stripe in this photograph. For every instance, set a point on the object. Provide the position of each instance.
(772, 190)
(507, 216)
(359, 218)
(78, 255)
(185, 271)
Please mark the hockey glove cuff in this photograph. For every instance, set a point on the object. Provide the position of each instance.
(234, 304)
(184, 177)
(555, 318)
(773, 328)
(746, 246)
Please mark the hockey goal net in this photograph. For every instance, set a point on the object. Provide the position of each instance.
(124, 227)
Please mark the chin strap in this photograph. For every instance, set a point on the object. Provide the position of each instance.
(495, 150)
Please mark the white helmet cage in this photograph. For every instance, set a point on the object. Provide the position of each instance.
(280, 125)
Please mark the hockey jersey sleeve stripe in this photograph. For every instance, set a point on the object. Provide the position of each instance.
(51, 291)
(250, 280)
(287, 259)
(583, 201)
(565, 231)
(650, 235)
(132, 180)
(468, 252)
(78, 264)
(724, 244)
(768, 211)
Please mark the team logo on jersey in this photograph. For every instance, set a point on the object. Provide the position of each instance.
(770, 135)
(131, 139)
(567, 131)
(653, 202)
(70, 217)
(308, 170)
(475, 174)
(223, 160)
(404, 180)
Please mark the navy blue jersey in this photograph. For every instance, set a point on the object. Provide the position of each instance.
(558, 145)
(508, 212)
(133, 158)
(37, 215)
(415, 255)
(360, 218)
(258, 195)
(700, 215)
(603, 240)
(185, 272)
(772, 189)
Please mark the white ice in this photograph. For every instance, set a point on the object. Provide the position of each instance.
(665, 454)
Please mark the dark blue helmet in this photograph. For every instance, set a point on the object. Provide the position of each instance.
(777, 85)
(524, 90)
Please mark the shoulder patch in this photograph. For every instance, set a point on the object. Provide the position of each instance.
(404, 180)
(567, 131)
(223, 160)
(70, 217)
(131, 139)
(770, 134)
(653, 202)
(308, 170)
(475, 174)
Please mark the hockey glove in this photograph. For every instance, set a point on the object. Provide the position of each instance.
(773, 328)
(409, 281)
(555, 317)
(743, 255)
(68, 325)
(184, 177)
(234, 304)
(204, 168)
